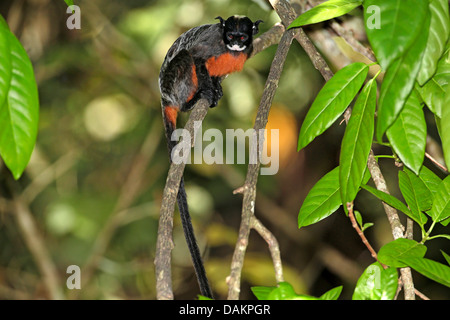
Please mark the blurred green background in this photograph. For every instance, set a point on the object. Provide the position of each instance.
(94, 184)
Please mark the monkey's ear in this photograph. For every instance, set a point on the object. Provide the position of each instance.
(255, 26)
(222, 22)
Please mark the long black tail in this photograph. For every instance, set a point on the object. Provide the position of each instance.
(188, 229)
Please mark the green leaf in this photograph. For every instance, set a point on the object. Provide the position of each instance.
(399, 81)
(3, 23)
(437, 38)
(431, 269)
(69, 2)
(416, 195)
(442, 75)
(332, 101)
(441, 205)
(408, 134)
(358, 218)
(376, 283)
(363, 226)
(430, 179)
(445, 126)
(424, 197)
(5, 66)
(285, 291)
(19, 104)
(262, 293)
(332, 294)
(445, 222)
(357, 142)
(388, 199)
(392, 253)
(322, 200)
(446, 256)
(398, 29)
(433, 95)
(389, 283)
(366, 226)
(325, 11)
(433, 91)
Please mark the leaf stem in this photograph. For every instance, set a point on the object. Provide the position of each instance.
(426, 236)
(385, 156)
(386, 144)
(446, 236)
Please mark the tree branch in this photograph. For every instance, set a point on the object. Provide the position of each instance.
(287, 15)
(249, 189)
(380, 183)
(164, 244)
(36, 245)
(274, 248)
(396, 226)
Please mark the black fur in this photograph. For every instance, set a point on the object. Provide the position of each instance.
(195, 47)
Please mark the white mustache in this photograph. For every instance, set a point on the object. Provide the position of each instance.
(235, 47)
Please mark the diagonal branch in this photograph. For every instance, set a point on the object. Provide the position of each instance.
(287, 15)
(36, 244)
(249, 189)
(164, 244)
(274, 248)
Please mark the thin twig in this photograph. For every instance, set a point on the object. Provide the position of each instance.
(408, 235)
(33, 239)
(442, 167)
(360, 233)
(47, 176)
(421, 295)
(36, 244)
(274, 248)
(356, 45)
(268, 38)
(417, 292)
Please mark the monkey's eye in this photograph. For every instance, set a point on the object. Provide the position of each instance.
(230, 36)
(244, 37)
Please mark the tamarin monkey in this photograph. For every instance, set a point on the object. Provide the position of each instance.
(193, 69)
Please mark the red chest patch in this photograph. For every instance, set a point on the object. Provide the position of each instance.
(225, 64)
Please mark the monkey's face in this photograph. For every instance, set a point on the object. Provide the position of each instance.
(238, 32)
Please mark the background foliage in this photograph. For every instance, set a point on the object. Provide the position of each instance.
(100, 116)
